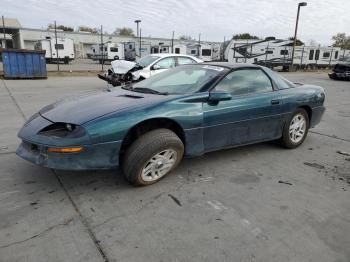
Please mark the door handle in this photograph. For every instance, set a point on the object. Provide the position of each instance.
(275, 102)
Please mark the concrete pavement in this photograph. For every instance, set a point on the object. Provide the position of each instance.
(255, 203)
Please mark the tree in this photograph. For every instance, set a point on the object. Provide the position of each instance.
(60, 27)
(88, 29)
(125, 31)
(298, 42)
(244, 36)
(185, 37)
(341, 40)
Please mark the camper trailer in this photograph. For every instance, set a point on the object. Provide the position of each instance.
(273, 52)
(192, 49)
(145, 49)
(270, 51)
(107, 52)
(206, 52)
(113, 51)
(62, 51)
(161, 48)
(180, 49)
(315, 57)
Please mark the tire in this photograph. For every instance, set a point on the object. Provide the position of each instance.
(139, 162)
(289, 140)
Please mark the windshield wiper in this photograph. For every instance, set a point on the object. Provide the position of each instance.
(148, 91)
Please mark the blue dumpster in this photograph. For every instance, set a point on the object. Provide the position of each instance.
(22, 63)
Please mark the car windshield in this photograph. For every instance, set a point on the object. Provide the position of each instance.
(182, 80)
(147, 60)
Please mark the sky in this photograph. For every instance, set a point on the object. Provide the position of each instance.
(214, 19)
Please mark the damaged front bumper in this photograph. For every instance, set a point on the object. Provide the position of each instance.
(37, 149)
(121, 73)
(92, 157)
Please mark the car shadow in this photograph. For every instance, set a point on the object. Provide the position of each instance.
(114, 179)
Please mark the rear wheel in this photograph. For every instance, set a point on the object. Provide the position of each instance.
(152, 156)
(296, 129)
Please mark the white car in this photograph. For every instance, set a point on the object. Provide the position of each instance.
(125, 71)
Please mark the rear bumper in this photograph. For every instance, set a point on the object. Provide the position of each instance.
(340, 76)
(97, 156)
(317, 113)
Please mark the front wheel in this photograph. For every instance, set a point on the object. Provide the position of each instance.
(152, 156)
(296, 129)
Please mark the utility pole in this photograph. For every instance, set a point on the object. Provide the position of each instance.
(296, 30)
(3, 30)
(199, 44)
(56, 47)
(223, 49)
(172, 43)
(140, 44)
(102, 48)
(137, 26)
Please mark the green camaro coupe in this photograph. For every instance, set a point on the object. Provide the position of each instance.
(148, 127)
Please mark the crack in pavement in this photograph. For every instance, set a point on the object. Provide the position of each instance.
(82, 219)
(65, 223)
(14, 100)
(330, 136)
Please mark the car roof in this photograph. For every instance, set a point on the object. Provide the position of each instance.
(232, 65)
(170, 54)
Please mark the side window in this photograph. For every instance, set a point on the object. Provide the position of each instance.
(59, 46)
(185, 60)
(311, 54)
(177, 50)
(245, 81)
(206, 52)
(113, 49)
(317, 54)
(336, 55)
(284, 52)
(326, 54)
(166, 63)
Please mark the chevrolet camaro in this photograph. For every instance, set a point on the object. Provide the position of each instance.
(147, 128)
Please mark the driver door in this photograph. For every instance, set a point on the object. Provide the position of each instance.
(162, 65)
(252, 115)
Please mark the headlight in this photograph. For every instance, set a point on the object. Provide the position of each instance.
(65, 130)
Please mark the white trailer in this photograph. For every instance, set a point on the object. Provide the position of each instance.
(315, 56)
(206, 52)
(145, 49)
(278, 52)
(180, 49)
(193, 50)
(108, 52)
(269, 51)
(62, 51)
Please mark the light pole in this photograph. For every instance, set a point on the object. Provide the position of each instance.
(296, 30)
(137, 26)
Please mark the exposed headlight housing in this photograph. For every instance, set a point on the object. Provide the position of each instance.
(61, 130)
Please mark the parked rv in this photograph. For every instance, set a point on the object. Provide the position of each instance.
(273, 52)
(62, 51)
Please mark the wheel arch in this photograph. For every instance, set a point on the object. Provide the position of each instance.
(150, 124)
(308, 111)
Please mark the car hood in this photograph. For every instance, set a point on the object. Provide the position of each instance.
(83, 109)
(122, 66)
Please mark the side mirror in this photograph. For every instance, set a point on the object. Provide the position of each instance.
(217, 96)
(156, 67)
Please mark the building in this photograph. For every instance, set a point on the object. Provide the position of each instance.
(25, 38)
